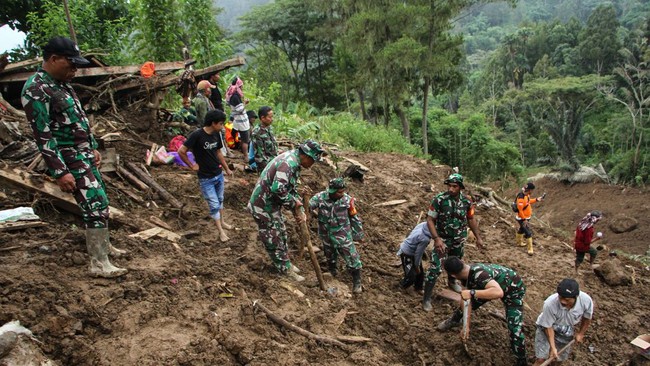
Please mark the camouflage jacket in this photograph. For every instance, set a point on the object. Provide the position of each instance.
(203, 105)
(451, 214)
(59, 123)
(187, 115)
(337, 217)
(264, 144)
(276, 187)
(509, 281)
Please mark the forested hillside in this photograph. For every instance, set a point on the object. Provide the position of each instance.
(495, 87)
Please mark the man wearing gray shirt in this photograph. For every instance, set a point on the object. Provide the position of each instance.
(562, 312)
(410, 252)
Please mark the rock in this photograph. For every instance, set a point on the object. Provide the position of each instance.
(623, 224)
(613, 273)
(7, 342)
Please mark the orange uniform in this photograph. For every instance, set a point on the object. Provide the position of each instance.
(524, 202)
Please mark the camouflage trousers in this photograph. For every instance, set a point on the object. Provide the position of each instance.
(91, 196)
(454, 248)
(513, 303)
(273, 235)
(335, 244)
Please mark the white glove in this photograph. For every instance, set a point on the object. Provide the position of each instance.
(599, 234)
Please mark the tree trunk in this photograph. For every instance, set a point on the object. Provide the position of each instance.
(386, 111)
(406, 130)
(362, 104)
(425, 111)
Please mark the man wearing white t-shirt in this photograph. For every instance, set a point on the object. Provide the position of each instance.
(562, 312)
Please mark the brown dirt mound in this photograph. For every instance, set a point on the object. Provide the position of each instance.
(169, 309)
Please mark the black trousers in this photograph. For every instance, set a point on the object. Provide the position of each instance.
(411, 274)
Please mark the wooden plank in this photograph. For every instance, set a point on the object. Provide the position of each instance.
(20, 225)
(100, 71)
(22, 64)
(156, 231)
(51, 190)
(389, 203)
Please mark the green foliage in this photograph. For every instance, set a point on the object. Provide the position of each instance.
(99, 25)
(599, 43)
(471, 145)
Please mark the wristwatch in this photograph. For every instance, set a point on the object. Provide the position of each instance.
(472, 293)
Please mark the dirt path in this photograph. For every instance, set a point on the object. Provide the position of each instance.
(172, 307)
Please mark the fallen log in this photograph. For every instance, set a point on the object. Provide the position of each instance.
(294, 328)
(153, 184)
(132, 179)
(491, 195)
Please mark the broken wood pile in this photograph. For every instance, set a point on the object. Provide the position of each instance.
(121, 105)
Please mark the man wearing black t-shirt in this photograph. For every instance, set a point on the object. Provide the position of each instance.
(206, 146)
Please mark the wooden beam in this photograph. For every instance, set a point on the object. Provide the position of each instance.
(20, 225)
(169, 80)
(100, 71)
(51, 190)
(22, 64)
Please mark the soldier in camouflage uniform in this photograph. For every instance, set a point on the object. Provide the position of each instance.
(63, 136)
(338, 226)
(262, 139)
(487, 282)
(449, 215)
(276, 188)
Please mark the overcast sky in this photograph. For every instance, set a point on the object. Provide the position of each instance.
(10, 39)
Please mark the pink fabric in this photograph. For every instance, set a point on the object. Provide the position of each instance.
(176, 143)
(232, 89)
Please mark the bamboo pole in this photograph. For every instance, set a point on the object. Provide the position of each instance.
(306, 241)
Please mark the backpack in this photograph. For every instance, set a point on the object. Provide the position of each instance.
(513, 205)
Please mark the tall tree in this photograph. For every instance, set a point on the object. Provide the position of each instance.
(599, 43)
(291, 26)
(559, 105)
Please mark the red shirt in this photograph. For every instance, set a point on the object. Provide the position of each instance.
(583, 239)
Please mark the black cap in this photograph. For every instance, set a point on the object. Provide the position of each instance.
(568, 287)
(529, 186)
(63, 46)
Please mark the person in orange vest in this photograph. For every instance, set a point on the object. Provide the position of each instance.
(524, 213)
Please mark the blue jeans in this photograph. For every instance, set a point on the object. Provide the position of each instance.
(212, 190)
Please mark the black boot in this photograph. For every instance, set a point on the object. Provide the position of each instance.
(356, 280)
(428, 292)
(332, 268)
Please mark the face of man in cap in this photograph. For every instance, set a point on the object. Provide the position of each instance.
(62, 68)
(567, 302)
(62, 57)
(306, 161)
